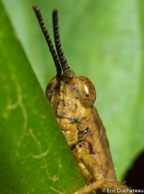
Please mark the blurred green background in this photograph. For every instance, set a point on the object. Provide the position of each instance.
(102, 40)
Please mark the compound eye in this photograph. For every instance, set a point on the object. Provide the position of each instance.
(50, 88)
(87, 93)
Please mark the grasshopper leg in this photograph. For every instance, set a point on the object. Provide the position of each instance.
(117, 187)
(91, 187)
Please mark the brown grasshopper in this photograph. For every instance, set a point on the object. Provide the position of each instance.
(72, 100)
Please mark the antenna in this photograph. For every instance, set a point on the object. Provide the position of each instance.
(65, 66)
(48, 40)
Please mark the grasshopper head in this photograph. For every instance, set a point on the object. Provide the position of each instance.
(69, 95)
(71, 98)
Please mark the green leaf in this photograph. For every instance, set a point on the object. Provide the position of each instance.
(102, 40)
(34, 156)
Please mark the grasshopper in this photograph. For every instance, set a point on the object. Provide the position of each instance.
(72, 100)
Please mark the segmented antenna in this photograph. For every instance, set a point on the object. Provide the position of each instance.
(48, 40)
(65, 66)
